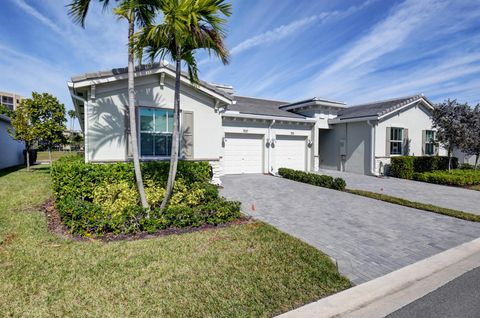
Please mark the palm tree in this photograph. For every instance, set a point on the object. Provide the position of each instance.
(72, 114)
(137, 13)
(188, 25)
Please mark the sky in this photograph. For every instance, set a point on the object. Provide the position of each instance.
(351, 51)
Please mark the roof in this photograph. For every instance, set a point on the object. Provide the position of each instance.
(378, 108)
(144, 67)
(258, 106)
(314, 100)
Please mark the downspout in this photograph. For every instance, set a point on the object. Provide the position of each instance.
(372, 148)
(85, 120)
(270, 147)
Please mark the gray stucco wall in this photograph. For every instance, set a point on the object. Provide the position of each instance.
(11, 151)
(357, 145)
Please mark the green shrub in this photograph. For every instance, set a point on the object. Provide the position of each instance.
(96, 199)
(72, 177)
(404, 167)
(313, 178)
(457, 177)
(114, 197)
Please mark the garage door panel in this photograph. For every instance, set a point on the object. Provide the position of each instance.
(290, 152)
(243, 153)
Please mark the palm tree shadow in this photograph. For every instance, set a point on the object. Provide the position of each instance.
(111, 123)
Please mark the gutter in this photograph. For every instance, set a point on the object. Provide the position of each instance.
(372, 148)
(85, 118)
(266, 117)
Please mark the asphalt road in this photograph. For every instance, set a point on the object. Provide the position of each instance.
(459, 298)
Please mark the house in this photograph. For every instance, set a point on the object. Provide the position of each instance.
(11, 151)
(239, 134)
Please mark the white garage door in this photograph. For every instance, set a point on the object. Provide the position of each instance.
(290, 152)
(243, 153)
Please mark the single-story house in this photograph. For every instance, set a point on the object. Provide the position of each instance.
(11, 151)
(239, 134)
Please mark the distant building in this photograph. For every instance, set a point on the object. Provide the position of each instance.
(11, 151)
(10, 100)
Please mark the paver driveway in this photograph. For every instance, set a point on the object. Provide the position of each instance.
(368, 238)
(439, 195)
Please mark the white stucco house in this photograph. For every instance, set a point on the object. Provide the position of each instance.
(11, 151)
(238, 134)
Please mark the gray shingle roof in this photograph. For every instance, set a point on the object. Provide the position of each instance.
(378, 108)
(143, 67)
(258, 106)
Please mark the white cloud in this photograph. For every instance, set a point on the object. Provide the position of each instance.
(36, 14)
(286, 30)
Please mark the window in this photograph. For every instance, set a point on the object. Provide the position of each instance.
(429, 142)
(155, 132)
(396, 141)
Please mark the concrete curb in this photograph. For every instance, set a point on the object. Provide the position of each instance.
(388, 293)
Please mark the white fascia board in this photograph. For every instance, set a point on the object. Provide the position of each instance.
(265, 117)
(113, 78)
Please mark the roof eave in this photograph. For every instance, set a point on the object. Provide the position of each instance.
(268, 117)
(78, 83)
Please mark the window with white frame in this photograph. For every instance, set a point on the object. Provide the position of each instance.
(429, 142)
(156, 127)
(396, 141)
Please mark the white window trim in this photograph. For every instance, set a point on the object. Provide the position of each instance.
(397, 141)
(139, 131)
(427, 143)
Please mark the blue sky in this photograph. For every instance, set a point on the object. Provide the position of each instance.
(352, 51)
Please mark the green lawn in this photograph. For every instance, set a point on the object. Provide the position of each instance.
(250, 270)
(43, 155)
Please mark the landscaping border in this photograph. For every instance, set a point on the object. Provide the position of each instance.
(58, 228)
(417, 205)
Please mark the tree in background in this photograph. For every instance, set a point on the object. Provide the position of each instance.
(72, 114)
(137, 13)
(471, 144)
(48, 116)
(188, 25)
(450, 120)
(23, 127)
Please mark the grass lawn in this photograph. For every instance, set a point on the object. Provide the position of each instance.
(43, 155)
(250, 270)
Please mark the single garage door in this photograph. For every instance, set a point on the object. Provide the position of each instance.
(243, 153)
(290, 152)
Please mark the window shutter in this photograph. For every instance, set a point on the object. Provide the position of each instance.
(435, 145)
(424, 142)
(406, 143)
(187, 137)
(387, 138)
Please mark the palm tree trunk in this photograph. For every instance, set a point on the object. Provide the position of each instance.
(175, 133)
(449, 158)
(132, 115)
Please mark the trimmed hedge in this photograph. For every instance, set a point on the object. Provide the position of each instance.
(457, 177)
(313, 178)
(405, 167)
(102, 198)
(72, 177)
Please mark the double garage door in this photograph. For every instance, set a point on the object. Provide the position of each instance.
(247, 153)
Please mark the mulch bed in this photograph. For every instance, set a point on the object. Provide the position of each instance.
(56, 226)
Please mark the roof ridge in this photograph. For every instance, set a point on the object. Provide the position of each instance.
(419, 95)
(261, 98)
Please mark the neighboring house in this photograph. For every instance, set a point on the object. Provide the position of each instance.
(239, 134)
(463, 157)
(11, 151)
